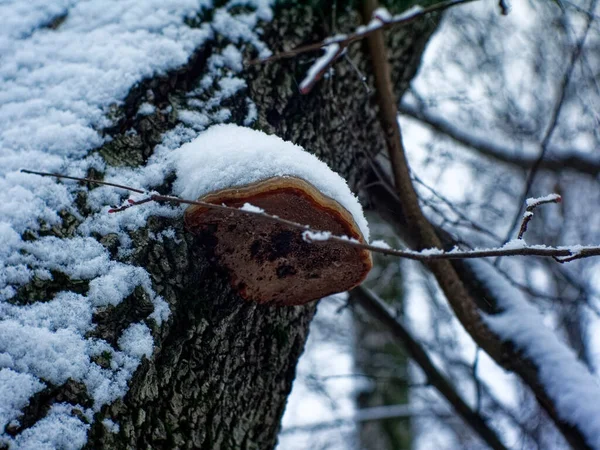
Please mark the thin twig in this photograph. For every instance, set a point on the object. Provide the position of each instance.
(571, 161)
(469, 222)
(83, 180)
(361, 76)
(372, 414)
(531, 205)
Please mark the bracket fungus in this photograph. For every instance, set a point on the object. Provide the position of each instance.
(267, 261)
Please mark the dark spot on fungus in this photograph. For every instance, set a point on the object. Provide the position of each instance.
(255, 249)
(207, 238)
(284, 270)
(281, 244)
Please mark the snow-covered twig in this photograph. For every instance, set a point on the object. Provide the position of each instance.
(517, 247)
(320, 66)
(380, 21)
(533, 203)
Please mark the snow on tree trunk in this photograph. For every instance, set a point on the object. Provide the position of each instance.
(210, 370)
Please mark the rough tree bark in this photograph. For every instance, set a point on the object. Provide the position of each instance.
(222, 368)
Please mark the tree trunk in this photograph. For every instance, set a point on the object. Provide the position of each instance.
(222, 368)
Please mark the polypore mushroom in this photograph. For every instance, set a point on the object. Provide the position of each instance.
(270, 262)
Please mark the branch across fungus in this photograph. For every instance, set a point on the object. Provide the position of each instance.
(516, 247)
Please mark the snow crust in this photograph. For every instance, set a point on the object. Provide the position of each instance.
(575, 391)
(226, 156)
(58, 88)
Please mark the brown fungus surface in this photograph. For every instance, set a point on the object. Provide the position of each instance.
(270, 262)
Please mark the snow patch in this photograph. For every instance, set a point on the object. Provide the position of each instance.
(15, 390)
(61, 428)
(252, 208)
(515, 244)
(111, 426)
(137, 341)
(431, 251)
(311, 236)
(146, 109)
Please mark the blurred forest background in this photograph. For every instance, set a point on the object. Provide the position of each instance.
(505, 106)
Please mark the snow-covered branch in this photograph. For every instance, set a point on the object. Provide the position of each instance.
(567, 381)
(334, 46)
(533, 203)
(516, 247)
(320, 66)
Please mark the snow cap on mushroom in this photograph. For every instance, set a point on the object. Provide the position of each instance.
(268, 261)
(227, 156)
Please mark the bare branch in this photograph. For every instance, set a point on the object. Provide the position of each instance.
(561, 159)
(372, 414)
